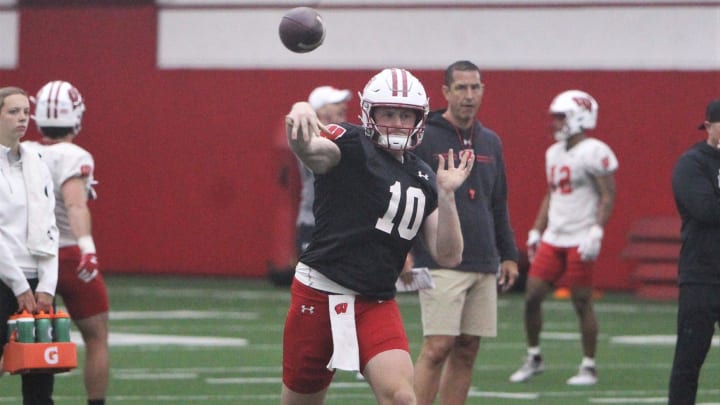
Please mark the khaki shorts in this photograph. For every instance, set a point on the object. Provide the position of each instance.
(461, 302)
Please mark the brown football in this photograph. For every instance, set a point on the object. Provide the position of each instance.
(301, 29)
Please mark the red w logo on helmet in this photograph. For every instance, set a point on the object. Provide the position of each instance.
(75, 97)
(583, 102)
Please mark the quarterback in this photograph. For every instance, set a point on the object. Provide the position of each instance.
(372, 198)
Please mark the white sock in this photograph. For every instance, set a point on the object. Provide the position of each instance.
(587, 362)
(533, 351)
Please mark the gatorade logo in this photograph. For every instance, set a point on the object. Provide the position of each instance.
(51, 355)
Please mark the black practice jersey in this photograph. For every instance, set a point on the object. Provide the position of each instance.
(368, 210)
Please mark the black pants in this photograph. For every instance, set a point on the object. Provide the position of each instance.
(37, 389)
(698, 312)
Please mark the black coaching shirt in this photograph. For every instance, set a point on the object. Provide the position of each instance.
(481, 200)
(368, 210)
(696, 188)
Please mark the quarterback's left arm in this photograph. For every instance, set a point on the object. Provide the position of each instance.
(74, 193)
(442, 228)
(406, 274)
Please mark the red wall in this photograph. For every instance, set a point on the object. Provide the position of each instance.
(195, 179)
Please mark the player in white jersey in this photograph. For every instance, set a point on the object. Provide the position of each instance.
(568, 231)
(58, 114)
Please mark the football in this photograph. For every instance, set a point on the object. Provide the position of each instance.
(301, 30)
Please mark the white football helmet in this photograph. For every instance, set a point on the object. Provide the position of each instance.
(580, 110)
(394, 88)
(59, 104)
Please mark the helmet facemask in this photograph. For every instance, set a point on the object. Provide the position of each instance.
(395, 138)
(394, 88)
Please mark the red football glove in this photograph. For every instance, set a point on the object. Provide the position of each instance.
(88, 268)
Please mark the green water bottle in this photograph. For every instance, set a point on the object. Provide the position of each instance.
(61, 327)
(43, 327)
(25, 327)
(12, 328)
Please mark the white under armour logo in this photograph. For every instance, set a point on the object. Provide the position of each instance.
(307, 308)
(423, 175)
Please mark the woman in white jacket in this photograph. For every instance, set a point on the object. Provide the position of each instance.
(28, 234)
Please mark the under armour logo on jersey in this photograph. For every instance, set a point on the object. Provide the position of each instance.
(310, 309)
(423, 175)
(341, 308)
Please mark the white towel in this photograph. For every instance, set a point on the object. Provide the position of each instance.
(42, 232)
(346, 355)
(422, 280)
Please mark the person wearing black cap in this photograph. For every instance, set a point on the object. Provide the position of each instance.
(696, 187)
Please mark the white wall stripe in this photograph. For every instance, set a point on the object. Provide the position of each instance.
(427, 3)
(9, 41)
(609, 38)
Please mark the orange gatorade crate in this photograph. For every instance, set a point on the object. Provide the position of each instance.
(56, 357)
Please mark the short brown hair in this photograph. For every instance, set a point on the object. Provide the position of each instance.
(461, 65)
(9, 91)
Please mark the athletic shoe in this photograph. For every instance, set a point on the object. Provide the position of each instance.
(533, 365)
(585, 376)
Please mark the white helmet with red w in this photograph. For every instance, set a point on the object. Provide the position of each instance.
(394, 88)
(59, 104)
(580, 110)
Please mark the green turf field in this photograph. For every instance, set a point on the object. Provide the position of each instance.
(218, 341)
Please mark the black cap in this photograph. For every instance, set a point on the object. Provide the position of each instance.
(712, 113)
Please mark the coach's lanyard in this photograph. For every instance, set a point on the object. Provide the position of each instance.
(465, 143)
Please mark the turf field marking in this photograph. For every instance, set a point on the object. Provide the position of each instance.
(142, 340)
(277, 380)
(209, 292)
(634, 400)
(509, 395)
(560, 335)
(144, 315)
(243, 380)
(660, 340)
(206, 370)
(155, 376)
